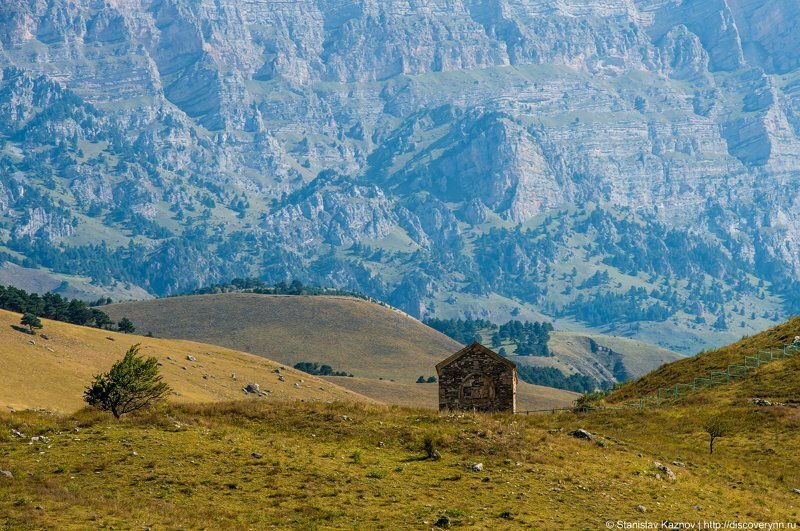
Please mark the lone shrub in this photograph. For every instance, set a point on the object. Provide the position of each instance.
(429, 444)
(716, 427)
(132, 383)
(31, 321)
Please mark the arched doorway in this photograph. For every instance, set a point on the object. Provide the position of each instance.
(477, 391)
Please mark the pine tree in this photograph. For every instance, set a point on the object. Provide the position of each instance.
(31, 321)
(126, 326)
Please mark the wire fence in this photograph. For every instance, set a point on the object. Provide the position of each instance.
(713, 378)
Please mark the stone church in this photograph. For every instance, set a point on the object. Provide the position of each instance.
(477, 379)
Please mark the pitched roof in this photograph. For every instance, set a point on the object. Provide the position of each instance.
(470, 348)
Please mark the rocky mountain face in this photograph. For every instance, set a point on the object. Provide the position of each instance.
(626, 166)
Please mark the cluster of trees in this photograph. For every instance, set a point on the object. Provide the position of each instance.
(464, 331)
(319, 370)
(610, 307)
(531, 338)
(57, 308)
(430, 379)
(551, 377)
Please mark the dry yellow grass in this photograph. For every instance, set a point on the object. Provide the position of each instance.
(348, 334)
(52, 373)
(352, 335)
(529, 397)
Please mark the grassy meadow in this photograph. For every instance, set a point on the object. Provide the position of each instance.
(249, 465)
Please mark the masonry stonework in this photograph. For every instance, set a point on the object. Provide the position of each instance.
(477, 379)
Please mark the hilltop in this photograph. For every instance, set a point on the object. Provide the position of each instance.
(385, 349)
(52, 373)
(349, 334)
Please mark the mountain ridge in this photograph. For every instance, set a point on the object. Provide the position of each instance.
(374, 146)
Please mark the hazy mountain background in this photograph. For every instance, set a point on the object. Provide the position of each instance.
(628, 167)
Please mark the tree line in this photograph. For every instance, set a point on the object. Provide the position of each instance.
(316, 369)
(552, 377)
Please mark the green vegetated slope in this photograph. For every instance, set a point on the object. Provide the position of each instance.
(604, 358)
(259, 464)
(385, 349)
(778, 377)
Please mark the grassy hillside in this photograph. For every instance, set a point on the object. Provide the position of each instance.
(529, 397)
(604, 358)
(52, 373)
(385, 349)
(684, 371)
(348, 334)
(308, 466)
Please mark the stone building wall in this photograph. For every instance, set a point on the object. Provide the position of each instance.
(477, 379)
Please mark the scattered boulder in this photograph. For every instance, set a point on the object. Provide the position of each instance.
(6, 474)
(641, 508)
(583, 434)
(257, 455)
(697, 507)
(679, 464)
(475, 467)
(766, 403)
(435, 455)
(18, 434)
(665, 469)
(252, 388)
(796, 491)
(443, 521)
(44, 336)
(233, 376)
(191, 358)
(281, 378)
